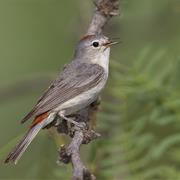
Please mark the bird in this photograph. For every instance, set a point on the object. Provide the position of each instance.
(77, 86)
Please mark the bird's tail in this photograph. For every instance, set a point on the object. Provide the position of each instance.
(21, 147)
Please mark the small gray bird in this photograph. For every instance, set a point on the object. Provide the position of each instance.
(76, 87)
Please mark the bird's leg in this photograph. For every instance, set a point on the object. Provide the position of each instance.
(70, 120)
(58, 121)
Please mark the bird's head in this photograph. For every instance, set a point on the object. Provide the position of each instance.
(93, 46)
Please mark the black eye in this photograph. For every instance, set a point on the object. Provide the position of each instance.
(95, 44)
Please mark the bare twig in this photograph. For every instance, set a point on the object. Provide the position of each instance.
(105, 9)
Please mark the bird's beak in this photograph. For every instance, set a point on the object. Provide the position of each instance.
(109, 44)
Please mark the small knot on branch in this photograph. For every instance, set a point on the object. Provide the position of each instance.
(89, 135)
(63, 156)
(108, 7)
(105, 9)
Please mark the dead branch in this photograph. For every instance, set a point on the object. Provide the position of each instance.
(105, 9)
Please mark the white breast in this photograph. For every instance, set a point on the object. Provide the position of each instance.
(103, 59)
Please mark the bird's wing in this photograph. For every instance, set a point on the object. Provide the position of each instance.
(75, 79)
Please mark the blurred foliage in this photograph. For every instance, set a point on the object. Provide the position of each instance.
(140, 111)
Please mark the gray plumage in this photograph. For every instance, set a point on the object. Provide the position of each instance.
(75, 79)
(76, 87)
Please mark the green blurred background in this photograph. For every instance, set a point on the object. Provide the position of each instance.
(139, 117)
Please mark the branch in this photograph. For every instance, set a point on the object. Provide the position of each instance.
(72, 153)
(105, 9)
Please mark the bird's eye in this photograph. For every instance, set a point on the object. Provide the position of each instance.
(95, 44)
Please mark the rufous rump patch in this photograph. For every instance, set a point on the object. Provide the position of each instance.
(39, 118)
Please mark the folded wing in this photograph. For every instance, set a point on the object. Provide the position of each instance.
(75, 79)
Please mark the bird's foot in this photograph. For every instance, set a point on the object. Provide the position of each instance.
(70, 120)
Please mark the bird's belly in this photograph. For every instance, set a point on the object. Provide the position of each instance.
(81, 101)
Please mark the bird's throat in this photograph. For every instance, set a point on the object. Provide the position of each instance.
(103, 59)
